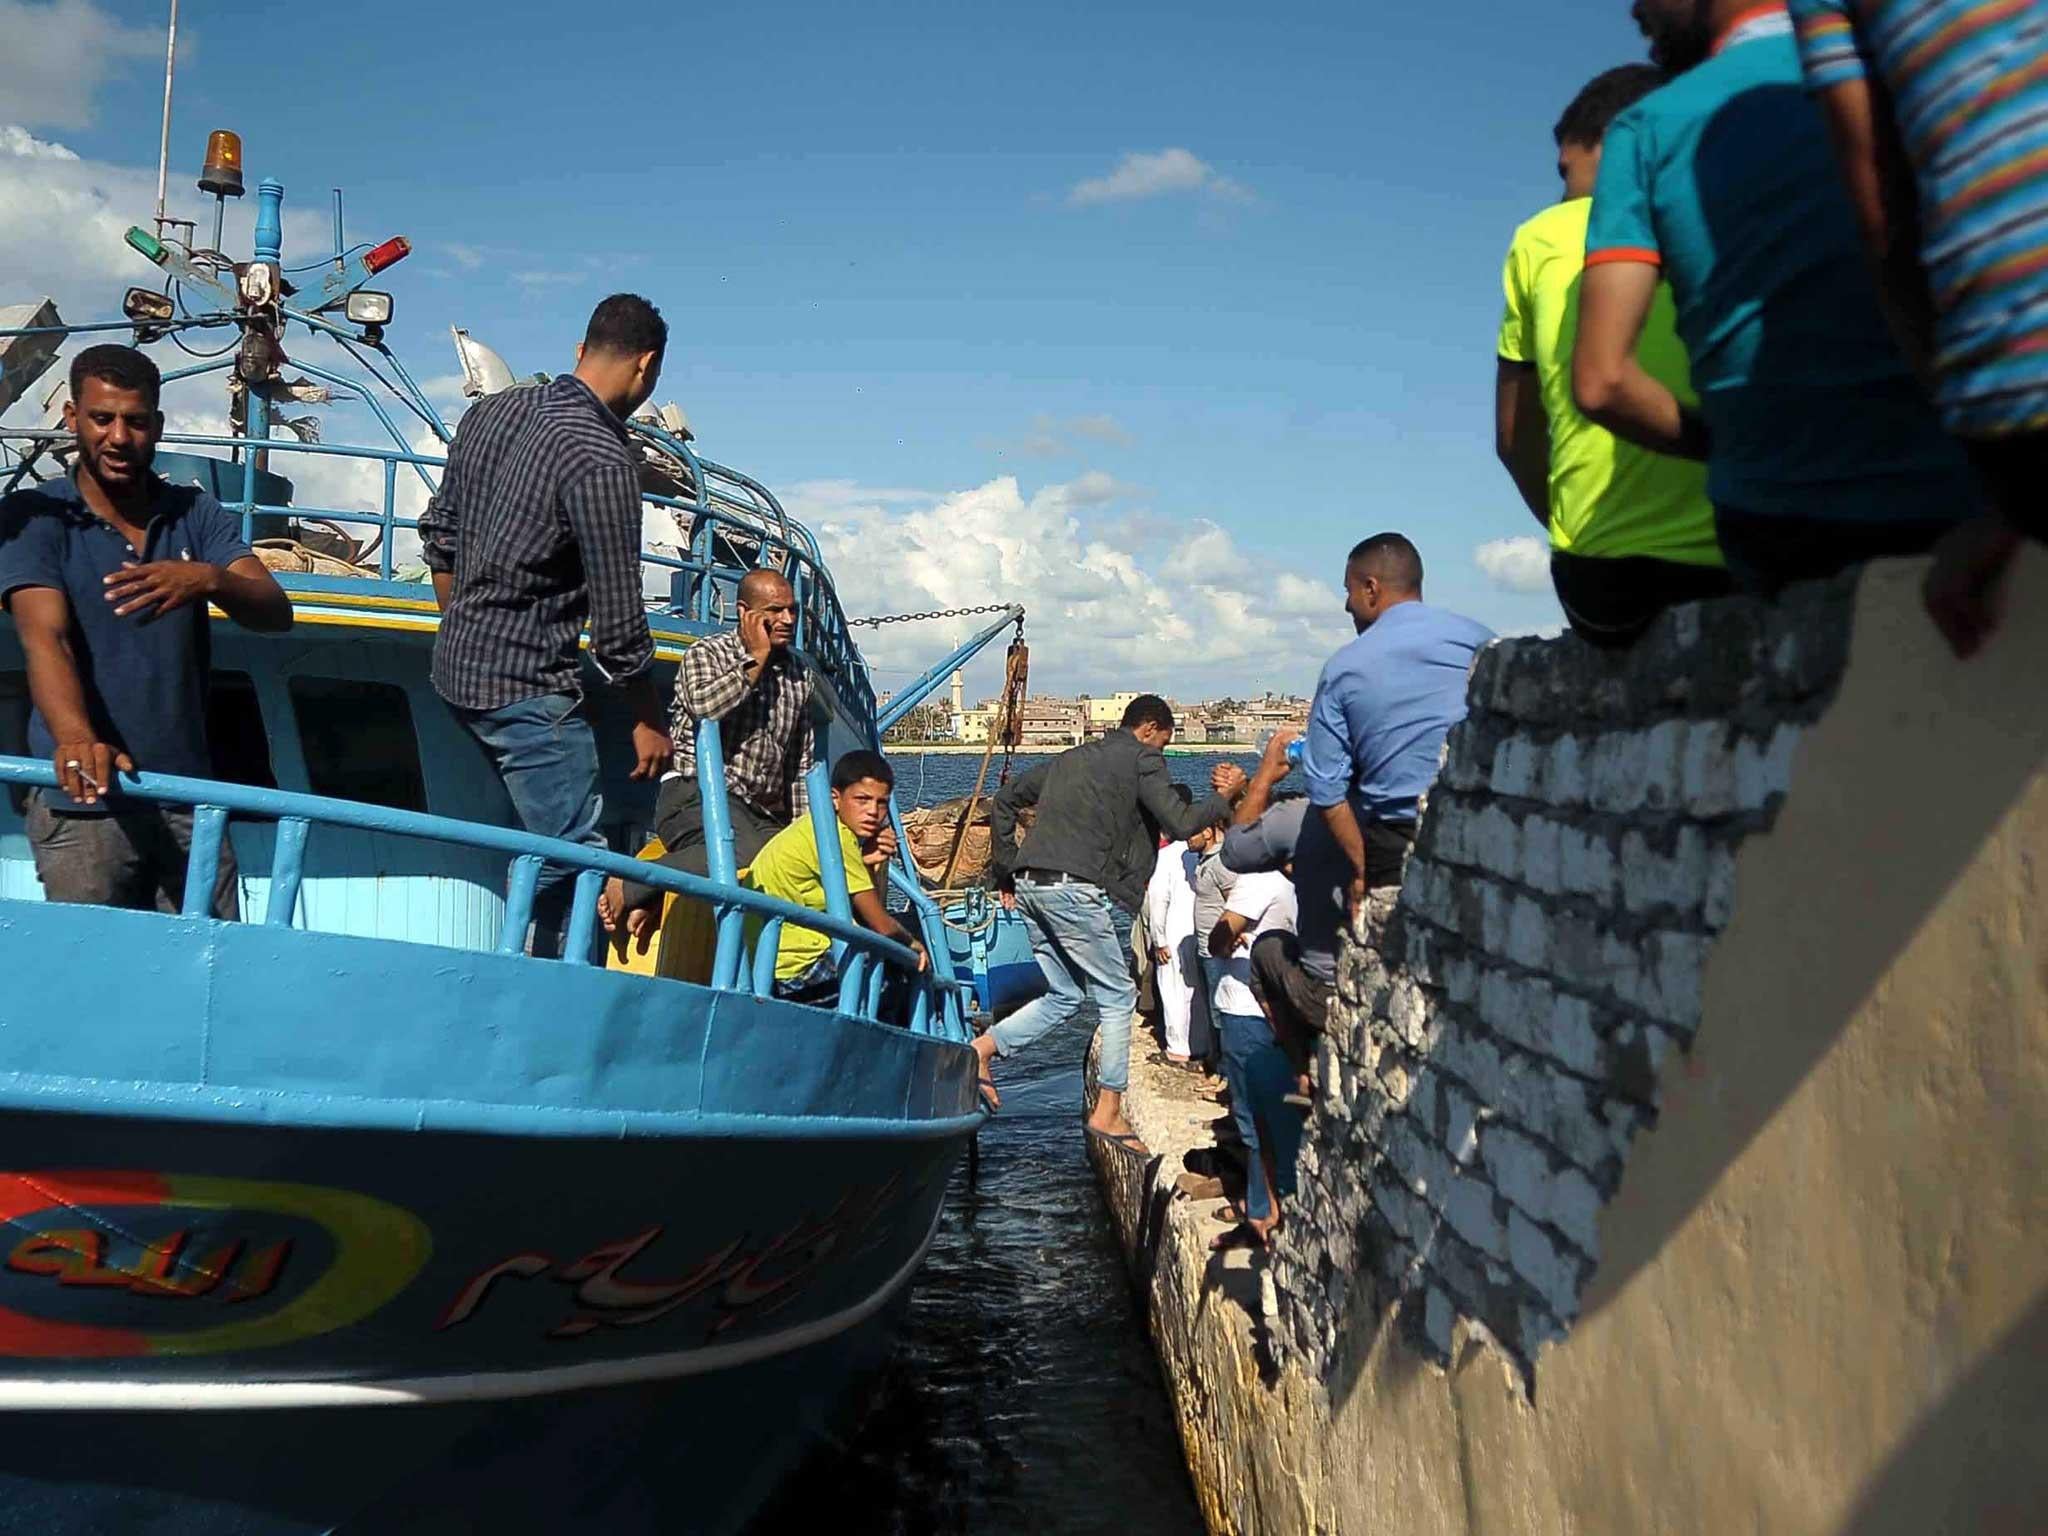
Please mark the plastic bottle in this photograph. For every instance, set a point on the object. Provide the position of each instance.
(1294, 747)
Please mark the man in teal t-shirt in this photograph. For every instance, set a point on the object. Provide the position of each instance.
(1821, 449)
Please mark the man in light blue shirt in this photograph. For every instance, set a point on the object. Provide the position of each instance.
(1383, 708)
(1376, 731)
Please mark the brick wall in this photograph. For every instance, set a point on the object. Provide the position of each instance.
(1498, 1044)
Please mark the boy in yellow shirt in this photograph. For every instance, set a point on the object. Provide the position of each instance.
(787, 867)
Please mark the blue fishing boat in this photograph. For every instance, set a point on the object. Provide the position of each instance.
(350, 1216)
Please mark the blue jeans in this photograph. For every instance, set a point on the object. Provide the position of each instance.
(546, 755)
(1260, 1078)
(1073, 938)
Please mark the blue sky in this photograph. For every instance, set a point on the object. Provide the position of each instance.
(904, 255)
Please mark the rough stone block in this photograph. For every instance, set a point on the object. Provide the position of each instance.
(1470, 1210)
(1586, 864)
(1564, 778)
(1495, 843)
(1763, 772)
(1528, 934)
(1470, 1056)
(1718, 905)
(1536, 1259)
(1438, 1314)
(1461, 1125)
(1653, 881)
(1542, 856)
(1707, 773)
(1515, 768)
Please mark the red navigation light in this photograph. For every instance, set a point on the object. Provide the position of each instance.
(390, 253)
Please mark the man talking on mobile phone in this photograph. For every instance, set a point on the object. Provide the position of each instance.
(751, 682)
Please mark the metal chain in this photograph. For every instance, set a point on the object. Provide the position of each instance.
(946, 613)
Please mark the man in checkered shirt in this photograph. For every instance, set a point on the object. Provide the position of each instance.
(534, 533)
(753, 685)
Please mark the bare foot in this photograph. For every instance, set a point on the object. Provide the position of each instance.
(985, 1050)
(609, 903)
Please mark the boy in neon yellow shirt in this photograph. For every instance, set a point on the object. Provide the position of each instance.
(1631, 531)
(787, 867)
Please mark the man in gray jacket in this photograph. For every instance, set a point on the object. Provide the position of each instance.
(1102, 809)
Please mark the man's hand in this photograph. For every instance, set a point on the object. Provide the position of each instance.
(1274, 759)
(652, 750)
(1229, 781)
(85, 767)
(160, 587)
(1966, 588)
(754, 636)
(1357, 904)
(1161, 956)
(1007, 899)
(924, 961)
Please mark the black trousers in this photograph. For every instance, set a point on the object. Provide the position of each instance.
(679, 823)
(1611, 602)
(1765, 553)
(1296, 1002)
(2016, 471)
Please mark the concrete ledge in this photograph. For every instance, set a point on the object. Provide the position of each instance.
(1209, 1313)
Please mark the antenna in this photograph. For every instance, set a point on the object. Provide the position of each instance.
(163, 155)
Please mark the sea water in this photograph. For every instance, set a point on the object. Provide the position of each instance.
(1023, 1397)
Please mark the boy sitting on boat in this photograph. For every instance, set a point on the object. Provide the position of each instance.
(787, 867)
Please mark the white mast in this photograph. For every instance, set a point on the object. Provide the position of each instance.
(163, 157)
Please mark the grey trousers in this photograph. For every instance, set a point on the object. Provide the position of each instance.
(131, 857)
(679, 823)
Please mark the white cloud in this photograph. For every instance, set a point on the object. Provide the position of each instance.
(1164, 174)
(467, 257)
(1207, 616)
(1092, 488)
(1515, 565)
(1051, 437)
(58, 55)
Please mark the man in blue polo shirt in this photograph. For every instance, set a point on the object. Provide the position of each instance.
(1376, 733)
(1821, 450)
(108, 574)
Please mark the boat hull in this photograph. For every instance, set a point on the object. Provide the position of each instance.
(639, 1333)
(294, 1271)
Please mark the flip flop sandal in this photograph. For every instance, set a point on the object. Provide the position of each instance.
(1230, 1215)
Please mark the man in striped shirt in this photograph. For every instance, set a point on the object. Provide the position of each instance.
(534, 532)
(1939, 114)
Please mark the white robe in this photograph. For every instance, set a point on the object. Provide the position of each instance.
(1169, 919)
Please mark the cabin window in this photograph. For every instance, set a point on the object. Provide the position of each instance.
(359, 742)
(234, 732)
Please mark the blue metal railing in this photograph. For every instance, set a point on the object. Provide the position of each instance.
(703, 580)
(866, 957)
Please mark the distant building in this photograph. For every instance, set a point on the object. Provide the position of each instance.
(1054, 722)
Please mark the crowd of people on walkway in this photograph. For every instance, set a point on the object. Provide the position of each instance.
(1243, 894)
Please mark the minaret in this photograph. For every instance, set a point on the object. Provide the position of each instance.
(959, 704)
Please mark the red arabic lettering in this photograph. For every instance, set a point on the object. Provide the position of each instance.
(78, 1256)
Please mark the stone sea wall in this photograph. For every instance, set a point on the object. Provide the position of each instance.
(1679, 1151)
(1499, 1046)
